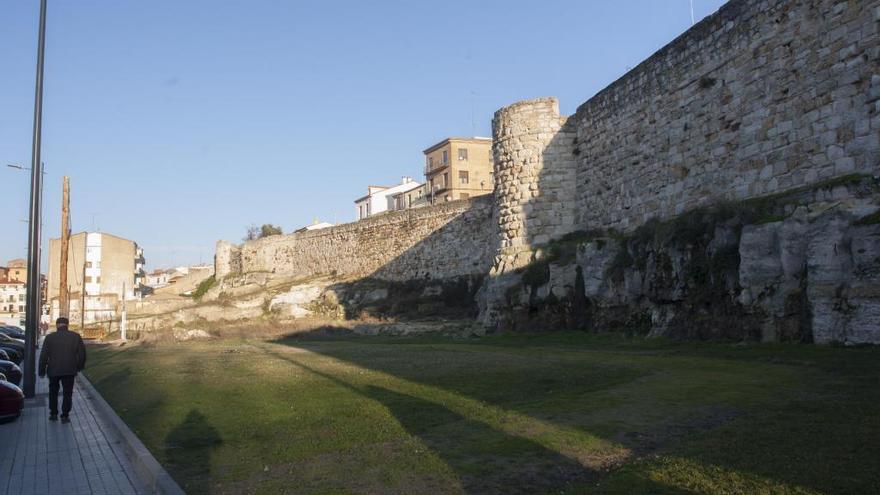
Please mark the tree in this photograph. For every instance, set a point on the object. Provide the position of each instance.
(267, 229)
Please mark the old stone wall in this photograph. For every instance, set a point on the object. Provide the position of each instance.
(440, 242)
(762, 97)
(227, 259)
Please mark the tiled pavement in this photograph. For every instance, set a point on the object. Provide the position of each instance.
(42, 457)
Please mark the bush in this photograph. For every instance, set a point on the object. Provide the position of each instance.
(204, 287)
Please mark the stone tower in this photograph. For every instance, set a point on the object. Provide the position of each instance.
(535, 176)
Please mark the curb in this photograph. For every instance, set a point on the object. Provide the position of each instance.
(154, 477)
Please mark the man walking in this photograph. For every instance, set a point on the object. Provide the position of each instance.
(63, 356)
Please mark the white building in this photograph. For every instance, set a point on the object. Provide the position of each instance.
(13, 295)
(102, 270)
(381, 198)
(159, 278)
(316, 225)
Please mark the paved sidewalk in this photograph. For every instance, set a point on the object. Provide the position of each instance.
(38, 456)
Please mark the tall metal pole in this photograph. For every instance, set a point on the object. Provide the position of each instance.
(32, 319)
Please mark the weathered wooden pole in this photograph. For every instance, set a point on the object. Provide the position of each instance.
(63, 295)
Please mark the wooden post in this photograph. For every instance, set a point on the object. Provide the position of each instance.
(82, 307)
(63, 288)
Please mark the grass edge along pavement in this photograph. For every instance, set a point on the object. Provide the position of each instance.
(563, 412)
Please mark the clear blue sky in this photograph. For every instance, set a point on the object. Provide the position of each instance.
(181, 122)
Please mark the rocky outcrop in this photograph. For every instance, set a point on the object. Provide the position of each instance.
(801, 267)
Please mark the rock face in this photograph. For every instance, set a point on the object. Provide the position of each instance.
(804, 267)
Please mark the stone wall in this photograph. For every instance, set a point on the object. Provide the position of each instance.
(227, 259)
(439, 242)
(762, 97)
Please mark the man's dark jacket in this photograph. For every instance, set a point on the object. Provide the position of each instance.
(63, 354)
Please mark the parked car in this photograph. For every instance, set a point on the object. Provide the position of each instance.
(12, 372)
(13, 332)
(12, 353)
(3, 355)
(6, 339)
(11, 401)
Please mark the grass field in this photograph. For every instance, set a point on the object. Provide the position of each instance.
(552, 413)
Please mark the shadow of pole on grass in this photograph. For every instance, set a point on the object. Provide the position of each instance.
(485, 459)
(188, 449)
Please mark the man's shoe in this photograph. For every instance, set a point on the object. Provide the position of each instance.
(65, 419)
(53, 417)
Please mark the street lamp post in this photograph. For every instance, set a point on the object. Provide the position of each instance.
(32, 319)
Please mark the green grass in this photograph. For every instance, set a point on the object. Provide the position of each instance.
(551, 413)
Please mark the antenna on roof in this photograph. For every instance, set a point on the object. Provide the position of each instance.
(692, 13)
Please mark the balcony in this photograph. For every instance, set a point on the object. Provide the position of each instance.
(436, 168)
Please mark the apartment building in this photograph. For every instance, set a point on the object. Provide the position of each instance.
(102, 269)
(17, 270)
(459, 168)
(381, 198)
(13, 295)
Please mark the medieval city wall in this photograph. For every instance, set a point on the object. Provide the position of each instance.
(440, 242)
(762, 97)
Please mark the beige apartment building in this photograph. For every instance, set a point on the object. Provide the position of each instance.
(16, 270)
(102, 269)
(459, 168)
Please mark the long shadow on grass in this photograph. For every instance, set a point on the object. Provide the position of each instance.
(188, 449)
(485, 459)
(822, 440)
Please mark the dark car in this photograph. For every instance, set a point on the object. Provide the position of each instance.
(3, 355)
(12, 353)
(12, 372)
(7, 341)
(13, 332)
(11, 401)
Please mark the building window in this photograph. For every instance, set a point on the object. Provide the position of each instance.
(463, 177)
(446, 179)
(462, 154)
(88, 279)
(445, 157)
(430, 162)
(88, 264)
(21, 297)
(20, 308)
